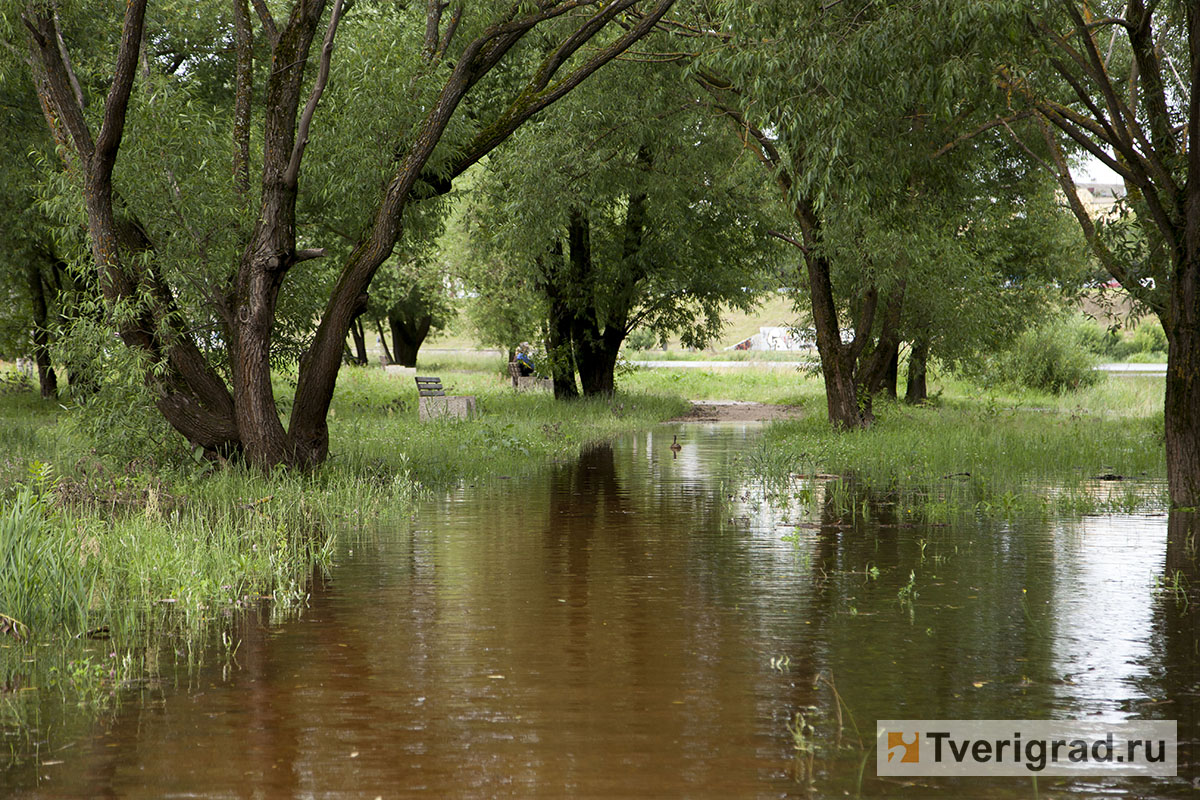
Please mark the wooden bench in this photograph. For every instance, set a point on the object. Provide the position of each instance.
(432, 402)
(429, 387)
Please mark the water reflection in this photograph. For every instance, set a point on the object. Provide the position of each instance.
(636, 624)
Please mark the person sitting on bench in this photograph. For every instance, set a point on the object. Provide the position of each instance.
(524, 360)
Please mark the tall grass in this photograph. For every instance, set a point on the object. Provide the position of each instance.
(1097, 450)
(46, 577)
(89, 542)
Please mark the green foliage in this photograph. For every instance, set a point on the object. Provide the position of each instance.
(1149, 337)
(1098, 340)
(677, 215)
(641, 339)
(1053, 357)
(110, 405)
(47, 573)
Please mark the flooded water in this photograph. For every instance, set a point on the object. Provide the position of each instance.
(641, 624)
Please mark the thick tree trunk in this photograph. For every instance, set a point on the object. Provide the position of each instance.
(596, 355)
(407, 337)
(917, 391)
(878, 374)
(47, 380)
(838, 360)
(560, 352)
(892, 375)
(1181, 411)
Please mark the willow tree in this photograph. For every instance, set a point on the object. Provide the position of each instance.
(470, 72)
(1117, 80)
(850, 106)
(628, 207)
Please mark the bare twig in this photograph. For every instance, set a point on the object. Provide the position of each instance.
(790, 240)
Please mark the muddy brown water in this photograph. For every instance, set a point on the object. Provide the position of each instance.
(637, 624)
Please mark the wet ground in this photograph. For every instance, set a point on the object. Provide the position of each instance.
(644, 623)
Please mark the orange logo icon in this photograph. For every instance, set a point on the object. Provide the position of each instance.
(909, 752)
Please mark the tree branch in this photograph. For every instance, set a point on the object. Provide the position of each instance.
(116, 105)
(433, 25)
(268, 22)
(987, 126)
(292, 174)
(790, 240)
(242, 97)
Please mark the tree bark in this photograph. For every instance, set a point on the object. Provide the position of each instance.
(878, 374)
(916, 390)
(597, 362)
(559, 347)
(1181, 407)
(892, 376)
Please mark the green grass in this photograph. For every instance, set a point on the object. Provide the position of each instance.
(975, 452)
(795, 386)
(163, 551)
(374, 425)
(198, 537)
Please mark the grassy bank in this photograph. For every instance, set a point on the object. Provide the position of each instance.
(87, 543)
(976, 452)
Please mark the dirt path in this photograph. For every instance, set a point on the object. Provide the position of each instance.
(737, 411)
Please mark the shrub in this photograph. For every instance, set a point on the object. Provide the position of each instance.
(1097, 339)
(1052, 357)
(1149, 337)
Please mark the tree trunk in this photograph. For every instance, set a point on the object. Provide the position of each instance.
(559, 350)
(878, 374)
(360, 343)
(387, 353)
(917, 391)
(892, 375)
(596, 356)
(47, 380)
(838, 360)
(407, 336)
(1181, 410)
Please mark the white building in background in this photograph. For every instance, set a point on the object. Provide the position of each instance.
(784, 338)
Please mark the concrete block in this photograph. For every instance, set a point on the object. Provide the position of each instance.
(532, 384)
(430, 408)
(401, 372)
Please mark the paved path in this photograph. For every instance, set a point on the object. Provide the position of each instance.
(1135, 369)
(723, 364)
(1129, 369)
